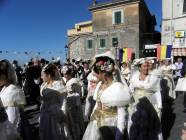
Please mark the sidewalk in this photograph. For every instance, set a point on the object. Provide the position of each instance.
(178, 107)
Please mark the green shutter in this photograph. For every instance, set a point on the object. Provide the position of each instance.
(184, 7)
(117, 16)
(114, 41)
(89, 44)
(102, 43)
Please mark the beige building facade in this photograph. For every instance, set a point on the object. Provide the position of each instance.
(115, 24)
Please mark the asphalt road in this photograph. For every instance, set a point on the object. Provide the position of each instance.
(173, 118)
(179, 115)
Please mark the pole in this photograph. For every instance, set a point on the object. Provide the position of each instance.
(172, 12)
(172, 23)
(115, 52)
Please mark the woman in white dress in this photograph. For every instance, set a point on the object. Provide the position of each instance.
(108, 116)
(144, 123)
(74, 107)
(12, 98)
(53, 120)
(89, 105)
(125, 71)
(168, 86)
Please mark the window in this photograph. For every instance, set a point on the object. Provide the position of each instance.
(115, 42)
(182, 42)
(102, 43)
(89, 44)
(117, 16)
(184, 7)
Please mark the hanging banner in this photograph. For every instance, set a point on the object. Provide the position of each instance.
(164, 51)
(125, 54)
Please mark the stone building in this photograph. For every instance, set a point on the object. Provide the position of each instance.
(115, 24)
(79, 45)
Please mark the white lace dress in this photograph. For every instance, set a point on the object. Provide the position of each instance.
(74, 108)
(148, 88)
(108, 117)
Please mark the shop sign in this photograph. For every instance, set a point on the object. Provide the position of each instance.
(179, 34)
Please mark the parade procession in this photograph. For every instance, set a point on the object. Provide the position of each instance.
(121, 75)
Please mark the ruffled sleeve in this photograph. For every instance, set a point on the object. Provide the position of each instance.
(58, 85)
(12, 96)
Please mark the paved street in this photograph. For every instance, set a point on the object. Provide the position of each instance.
(173, 119)
(32, 114)
(180, 118)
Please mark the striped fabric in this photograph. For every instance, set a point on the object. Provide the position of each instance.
(164, 52)
(125, 54)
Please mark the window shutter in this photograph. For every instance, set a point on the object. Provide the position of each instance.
(102, 43)
(118, 17)
(114, 42)
(89, 44)
(184, 6)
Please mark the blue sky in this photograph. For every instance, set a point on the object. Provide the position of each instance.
(41, 25)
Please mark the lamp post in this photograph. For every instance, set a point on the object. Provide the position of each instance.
(172, 12)
(115, 45)
(66, 50)
(172, 24)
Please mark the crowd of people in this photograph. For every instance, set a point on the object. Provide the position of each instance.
(100, 99)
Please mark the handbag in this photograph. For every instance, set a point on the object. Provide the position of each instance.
(181, 84)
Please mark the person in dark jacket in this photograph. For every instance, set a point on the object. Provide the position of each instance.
(19, 72)
(183, 73)
(33, 81)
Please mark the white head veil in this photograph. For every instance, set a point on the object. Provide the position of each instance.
(121, 95)
(118, 75)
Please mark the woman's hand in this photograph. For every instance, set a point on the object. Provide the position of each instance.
(183, 137)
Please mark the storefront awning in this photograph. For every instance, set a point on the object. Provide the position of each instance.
(179, 51)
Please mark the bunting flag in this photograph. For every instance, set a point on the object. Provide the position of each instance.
(164, 52)
(30, 52)
(125, 54)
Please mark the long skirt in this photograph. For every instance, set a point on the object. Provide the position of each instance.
(52, 124)
(144, 123)
(75, 117)
(108, 131)
(8, 131)
(89, 106)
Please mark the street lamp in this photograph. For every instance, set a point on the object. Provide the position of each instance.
(115, 45)
(66, 49)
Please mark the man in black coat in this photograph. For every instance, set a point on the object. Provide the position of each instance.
(33, 81)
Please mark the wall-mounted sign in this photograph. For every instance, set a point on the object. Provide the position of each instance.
(180, 34)
(109, 32)
(153, 46)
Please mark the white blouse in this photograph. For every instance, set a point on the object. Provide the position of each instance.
(12, 97)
